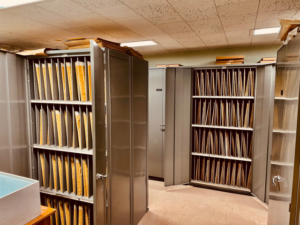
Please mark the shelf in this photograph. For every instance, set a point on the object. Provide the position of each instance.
(284, 98)
(60, 102)
(284, 131)
(221, 186)
(64, 149)
(223, 127)
(67, 195)
(225, 97)
(277, 163)
(222, 156)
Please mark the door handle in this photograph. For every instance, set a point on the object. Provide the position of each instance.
(101, 177)
(278, 178)
(162, 127)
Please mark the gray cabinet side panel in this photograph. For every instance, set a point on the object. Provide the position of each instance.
(186, 126)
(119, 138)
(5, 150)
(155, 118)
(169, 125)
(178, 126)
(139, 130)
(270, 138)
(261, 128)
(99, 159)
(14, 152)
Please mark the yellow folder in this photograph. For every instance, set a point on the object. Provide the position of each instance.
(67, 212)
(58, 125)
(85, 129)
(45, 79)
(77, 117)
(90, 80)
(80, 215)
(60, 173)
(79, 177)
(43, 168)
(67, 173)
(54, 171)
(86, 213)
(69, 74)
(73, 174)
(38, 77)
(55, 207)
(80, 76)
(51, 79)
(61, 211)
(85, 178)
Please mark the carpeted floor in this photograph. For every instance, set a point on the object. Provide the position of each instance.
(187, 205)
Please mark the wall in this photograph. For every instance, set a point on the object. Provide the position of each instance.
(252, 55)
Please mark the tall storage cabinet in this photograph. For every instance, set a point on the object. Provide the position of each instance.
(216, 127)
(87, 134)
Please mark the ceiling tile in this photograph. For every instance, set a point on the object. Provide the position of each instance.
(98, 4)
(275, 15)
(236, 18)
(239, 27)
(185, 36)
(218, 46)
(172, 18)
(191, 10)
(239, 44)
(249, 7)
(194, 45)
(43, 15)
(267, 24)
(141, 26)
(151, 9)
(87, 18)
(229, 2)
(261, 43)
(214, 40)
(63, 7)
(208, 29)
(247, 34)
(172, 28)
(297, 15)
(85, 31)
(118, 13)
(277, 5)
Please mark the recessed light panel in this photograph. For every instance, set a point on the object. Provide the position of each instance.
(273, 30)
(138, 43)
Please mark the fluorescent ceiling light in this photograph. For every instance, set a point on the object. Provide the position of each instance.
(11, 3)
(139, 43)
(273, 30)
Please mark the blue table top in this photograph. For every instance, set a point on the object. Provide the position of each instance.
(9, 184)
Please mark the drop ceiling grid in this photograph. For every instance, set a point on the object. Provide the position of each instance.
(176, 25)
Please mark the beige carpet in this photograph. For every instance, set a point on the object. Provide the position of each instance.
(187, 205)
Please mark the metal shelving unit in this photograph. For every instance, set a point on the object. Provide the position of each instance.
(80, 140)
(223, 117)
(181, 123)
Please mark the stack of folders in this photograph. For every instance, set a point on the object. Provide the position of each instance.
(68, 212)
(60, 126)
(237, 113)
(225, 143)
(225, 83)
(225, 60)
(226, 172)
(64, 167)
(70, 81)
